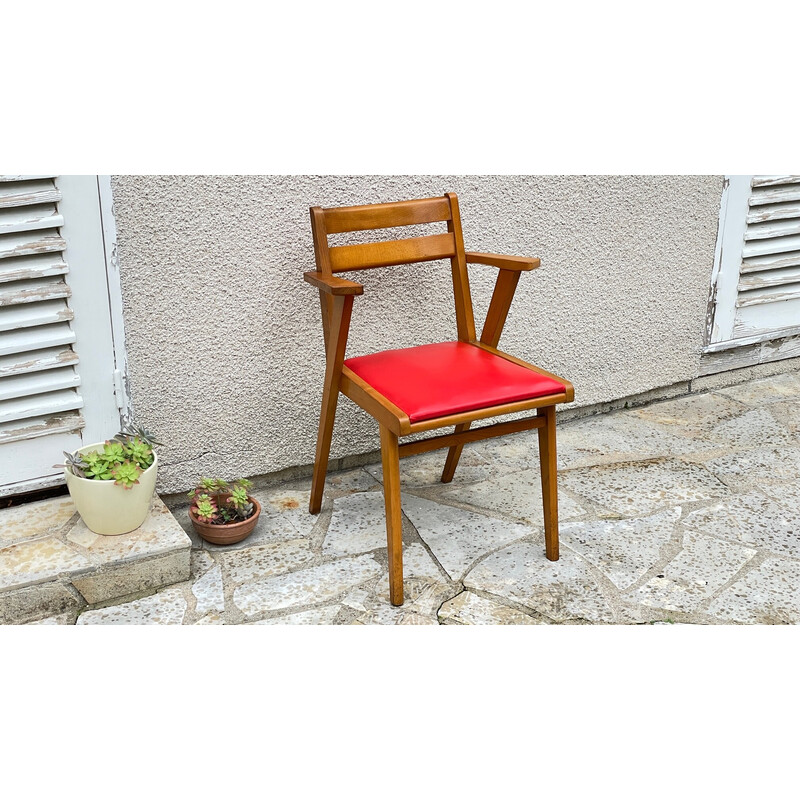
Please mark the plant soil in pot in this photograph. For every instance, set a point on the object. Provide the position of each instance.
(223, 514)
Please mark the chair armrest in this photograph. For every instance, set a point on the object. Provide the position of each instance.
(332, 285)
(517, 263)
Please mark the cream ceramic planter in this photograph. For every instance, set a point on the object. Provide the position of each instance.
(109, 509)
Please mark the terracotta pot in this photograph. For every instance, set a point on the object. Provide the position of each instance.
(226, 534)
(109, 509)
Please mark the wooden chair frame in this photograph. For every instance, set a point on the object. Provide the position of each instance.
(336, 298)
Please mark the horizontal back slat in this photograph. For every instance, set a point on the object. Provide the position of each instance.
(387, 254)
(387, 215)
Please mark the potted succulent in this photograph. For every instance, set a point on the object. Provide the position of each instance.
(112, 482)
(223, 513)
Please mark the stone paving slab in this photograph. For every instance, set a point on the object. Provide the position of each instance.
(617, 438)
(469, 608)
(694, 416)
(703, 566)
(623, 551)
(740, 470)
(456, 537)
(113, 581)
(566, 590)
(60, 619)
(753, 519)
(788, 414)
(774, 389)
(767, 595)
(304, 587)
(316, 616)
(167, 607)
(157, 535)
(249, 564)
(426, 469)
(426, 586)
(358, 525)
(209, 592)
(757, 428)
(515, 494)
(38, 601)
(638, 488)
(507, 453)
(686, 510)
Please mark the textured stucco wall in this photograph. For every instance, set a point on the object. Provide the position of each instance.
(224, 338)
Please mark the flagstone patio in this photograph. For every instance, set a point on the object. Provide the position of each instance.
(684, 511)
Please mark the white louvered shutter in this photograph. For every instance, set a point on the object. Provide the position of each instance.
(769, 280)
(758, 260)
(43, 399)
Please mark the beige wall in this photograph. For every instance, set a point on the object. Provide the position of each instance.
(224, 338)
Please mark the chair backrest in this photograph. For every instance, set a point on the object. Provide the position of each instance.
(369, 255)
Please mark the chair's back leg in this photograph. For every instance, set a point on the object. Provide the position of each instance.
(390, 459)
(339, 327)
(492, 328)
(547, 460)
(453, 455)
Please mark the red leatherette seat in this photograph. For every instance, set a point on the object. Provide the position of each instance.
(436, 380)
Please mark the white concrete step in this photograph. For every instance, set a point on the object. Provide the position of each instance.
(51, 563)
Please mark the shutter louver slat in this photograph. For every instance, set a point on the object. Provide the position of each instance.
(29, 193)
(775, 194)
(771, 294)
(35, 338)
(13, 245)
(40, 405)
(772, 230)
(764, 247)
(49, 358)
(765, 278)
(38, 378)
(17, 178)
(773, 180)
(29, 316)
(22, 269)
(32, 291)
(40, 426)
(773, 212)
(756, 263)
(37, 383)
(33, 218)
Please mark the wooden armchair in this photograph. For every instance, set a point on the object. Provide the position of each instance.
(432, 386)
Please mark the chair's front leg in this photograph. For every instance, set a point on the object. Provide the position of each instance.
(390, 459)
(547, 460)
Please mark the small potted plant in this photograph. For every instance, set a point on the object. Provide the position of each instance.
(223, 513)
(112, 482)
